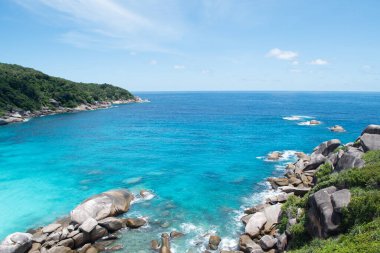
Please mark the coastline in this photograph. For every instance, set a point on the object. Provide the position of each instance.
(24, 116)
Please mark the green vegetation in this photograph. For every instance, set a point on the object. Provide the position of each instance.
(28, 89)
(362, 239)
(361, 219)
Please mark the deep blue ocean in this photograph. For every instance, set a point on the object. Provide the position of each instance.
(201, 153)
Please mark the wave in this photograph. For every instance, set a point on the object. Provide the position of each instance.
(297, 117)
(308, 123)
(286, 156)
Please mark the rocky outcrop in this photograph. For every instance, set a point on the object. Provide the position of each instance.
(16, 243)
(91, 221)
(325, 209)
(103, 205)
(370, 138)
(352, 158)
(213, 242)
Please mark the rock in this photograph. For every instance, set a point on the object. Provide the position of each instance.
(320, 213)
(103, 205)
(135, 223)
(246, 218)
(145, 194)
(84, 248)
(3, 122)
(213, 242)
(278, 181)
(340, 199)
(69, 242)
(272, 215)
(267, 242)
(88, 225)
(154, 244)
(97, 233)
(111, 224)
(315, 161)
(274, 156)
(51, 228)
(115, 247)
(176, 234)
(299, 191)
(327, 147)
(282, 241)
(337, 128)
(314, 122)
(39, 237)
(295, 181)
(370, 138)
(255, 224)
(60, 249)
(247, 245)
(231, 251)
(16, 243)
(165, 244)
(255, 209)
(92, 250)
(352, 158)
(73, 233)
(81, 239)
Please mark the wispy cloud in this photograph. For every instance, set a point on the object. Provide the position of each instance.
(319, 62)
(105, 24)
(282, 54)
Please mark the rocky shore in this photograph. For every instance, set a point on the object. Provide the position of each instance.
(262, 222)
(55, 108)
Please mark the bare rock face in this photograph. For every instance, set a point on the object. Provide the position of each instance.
(111, 224)
(16, 243)
(352, 158)
(103, 205)
(255, 224)
(325, 148)
(267, 242)
(325, 211)
(370, 138)
(247, 245)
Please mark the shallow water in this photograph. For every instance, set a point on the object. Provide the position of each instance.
(201, 153)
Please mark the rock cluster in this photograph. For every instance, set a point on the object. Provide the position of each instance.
(89, 229)
(324, 206)
(337, 128)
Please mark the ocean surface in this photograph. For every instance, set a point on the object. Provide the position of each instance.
(202, 154)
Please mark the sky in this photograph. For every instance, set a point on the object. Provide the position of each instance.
(197, 45)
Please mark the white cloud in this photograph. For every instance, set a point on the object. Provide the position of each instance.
(319, 62)
(152, 62)
(295, 63)
(281, 54)
(179, 67)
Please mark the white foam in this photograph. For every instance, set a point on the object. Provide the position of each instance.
(308, 123)
(297, 117)
(133, 180)
(228, 243)
(286, 155)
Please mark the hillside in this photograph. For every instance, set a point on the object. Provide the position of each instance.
(28, 89)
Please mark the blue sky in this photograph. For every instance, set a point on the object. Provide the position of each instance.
(158, 45)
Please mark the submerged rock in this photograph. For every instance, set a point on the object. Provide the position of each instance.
(103, 205)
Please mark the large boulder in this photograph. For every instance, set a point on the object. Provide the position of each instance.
(370, 138)
(267, 242)
(16, 243)
(352, 158)
(321, 223)
(327, 147)
(340, 199)
(255, 224)
(213, 242)
(247, 245)
(315, 161)
(103, 205)
(272, 215)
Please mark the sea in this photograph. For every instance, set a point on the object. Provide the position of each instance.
(202, 155)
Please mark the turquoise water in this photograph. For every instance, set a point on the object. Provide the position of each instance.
(200, 153)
